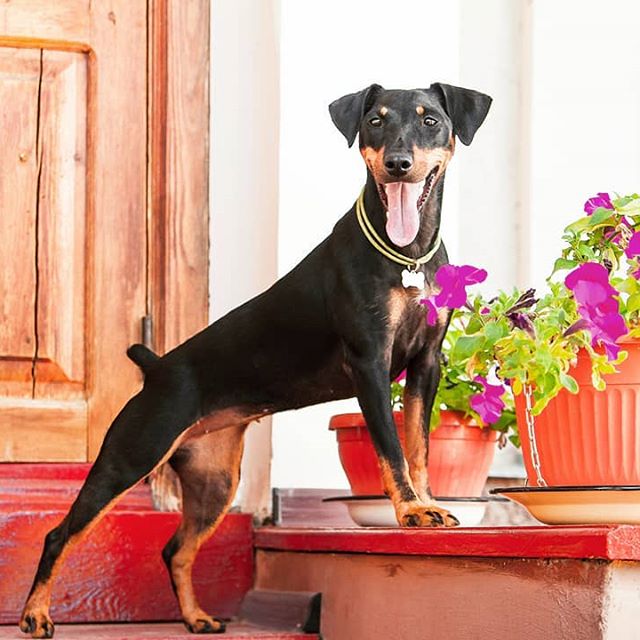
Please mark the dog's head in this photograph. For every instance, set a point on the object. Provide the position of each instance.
(407, 139)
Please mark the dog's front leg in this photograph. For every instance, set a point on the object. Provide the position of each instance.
(371, 379)
(423, 377)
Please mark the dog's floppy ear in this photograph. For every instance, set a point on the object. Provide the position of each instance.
(466, 108)
(347, 112)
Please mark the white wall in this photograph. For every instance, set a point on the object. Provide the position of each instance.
(244, 183)
(585, 115)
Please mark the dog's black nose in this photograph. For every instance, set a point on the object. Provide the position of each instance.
(398, 164)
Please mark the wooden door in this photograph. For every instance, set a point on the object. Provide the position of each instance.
(80, 242)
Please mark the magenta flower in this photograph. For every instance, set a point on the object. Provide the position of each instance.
(488, 403)
(453, 281)
(601, 200)
(633, 249)
(590, 284)
(402, 376)
(606, 327)
(432, 310)
(597, 306)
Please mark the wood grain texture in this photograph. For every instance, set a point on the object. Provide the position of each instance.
(75, 281)
(178, 178)
(117, 196)
(117, 574)
(85, 238)
(61, 230)
(43, 429)
(19, 82)
(179, 240)
(58, 21)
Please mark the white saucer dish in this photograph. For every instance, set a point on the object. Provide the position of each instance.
(377, 511)
(578, 505)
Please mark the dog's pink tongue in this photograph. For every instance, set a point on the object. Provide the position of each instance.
(404, 220)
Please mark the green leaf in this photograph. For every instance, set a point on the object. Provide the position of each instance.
(579, 225)
(631, 207)
(494, 331)
(633, 303)
(475, 324)
(569, 382)
(628, 285)
(563, 263)
(600, 215)
(466, 346)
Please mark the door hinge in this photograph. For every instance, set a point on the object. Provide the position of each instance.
(147, 331)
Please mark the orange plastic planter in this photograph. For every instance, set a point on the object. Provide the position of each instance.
(460, 454)
(591, 438)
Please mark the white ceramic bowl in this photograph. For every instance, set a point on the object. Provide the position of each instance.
(377, 511)
(578, 505)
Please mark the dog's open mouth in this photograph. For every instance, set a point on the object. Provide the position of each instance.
(404, 201)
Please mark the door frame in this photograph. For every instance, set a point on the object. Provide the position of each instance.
(177, 200)
(178, 178)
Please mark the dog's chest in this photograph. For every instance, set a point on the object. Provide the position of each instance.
(406, 319)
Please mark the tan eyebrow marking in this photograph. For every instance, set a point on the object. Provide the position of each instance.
(420, 110)
(383, 111)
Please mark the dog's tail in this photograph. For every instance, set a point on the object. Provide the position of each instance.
(142, 356)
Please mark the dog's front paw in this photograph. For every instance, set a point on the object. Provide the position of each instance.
(426, 515)
(37, 623)
(200, 622)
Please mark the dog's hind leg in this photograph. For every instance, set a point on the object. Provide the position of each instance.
(143, 435)
(209, 472)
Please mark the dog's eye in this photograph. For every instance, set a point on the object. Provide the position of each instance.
(375, 122)
(429, 121)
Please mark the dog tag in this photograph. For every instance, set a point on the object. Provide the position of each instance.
(413, 279)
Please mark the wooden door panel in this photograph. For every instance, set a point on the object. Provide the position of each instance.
(19, 81)
(85, 174)
(73, 209)
(67, 22)
(61, 251)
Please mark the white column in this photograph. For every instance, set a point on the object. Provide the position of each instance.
(245, 111)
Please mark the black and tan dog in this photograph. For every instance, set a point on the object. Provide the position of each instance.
(340, 324)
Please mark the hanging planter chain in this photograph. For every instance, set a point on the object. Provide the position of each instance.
(531, 430)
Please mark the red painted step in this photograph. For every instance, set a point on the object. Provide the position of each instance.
(116, 574)
(155, 632)
(606, 542)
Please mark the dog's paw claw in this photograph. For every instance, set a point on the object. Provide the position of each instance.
(427, 516)
(39, 625)
(206, 624)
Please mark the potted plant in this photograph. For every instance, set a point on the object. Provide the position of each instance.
(467, 421)
(572, 357)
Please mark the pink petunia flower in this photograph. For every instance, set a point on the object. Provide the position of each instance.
(402, 376)
(597, 306)
(590, 284)
(601, 200)
(633, 250)
(488, 404)
(453, 281)
(432, 310)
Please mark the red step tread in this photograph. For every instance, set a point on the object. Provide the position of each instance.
(167, 631)
(607, 542)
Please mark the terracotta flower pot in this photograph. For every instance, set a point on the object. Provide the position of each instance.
(593, 437)
(460, 455)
